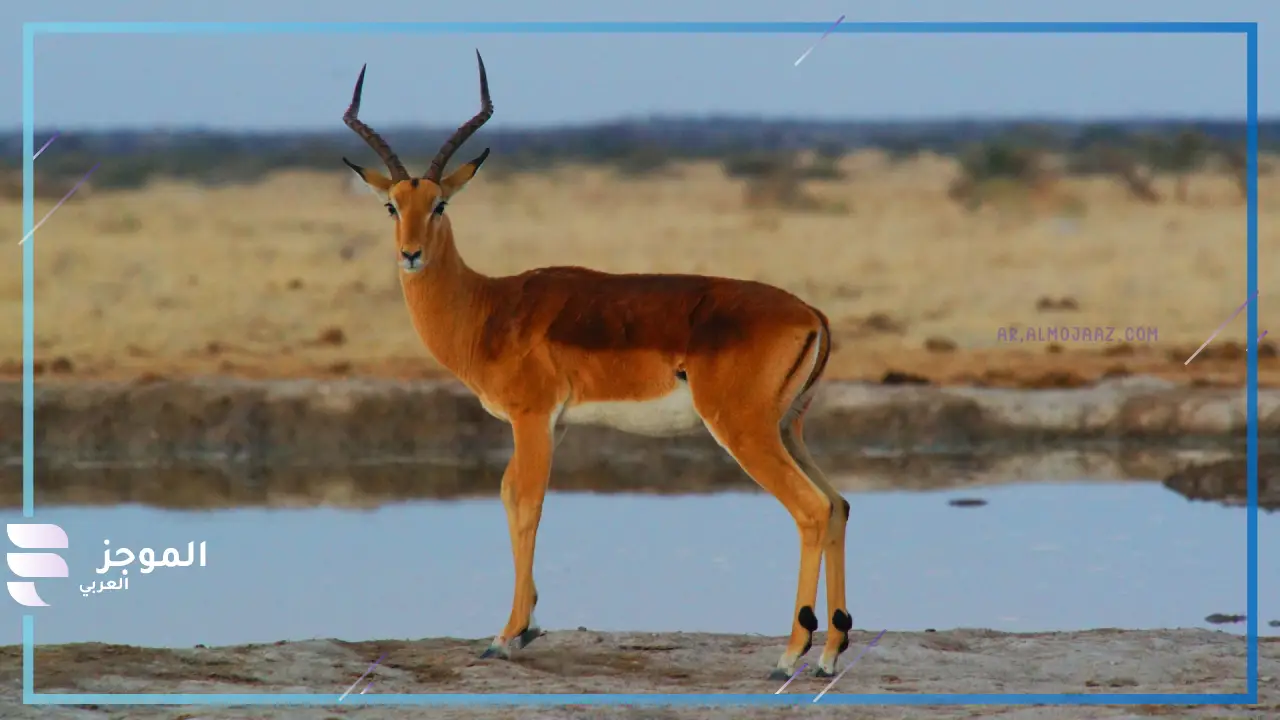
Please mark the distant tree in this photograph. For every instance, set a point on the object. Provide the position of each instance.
(900, 149)
(1181, 155)
(777, 180)
(123, 173)
(1237, 162)
(644, 161)
(996, 162)
(754, 165)
(1037, 136)
(1119, 160)
(832, 151)
(1000, 158)
(1092, 136)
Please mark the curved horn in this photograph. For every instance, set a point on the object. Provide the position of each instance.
(467, 129)
(370, 136)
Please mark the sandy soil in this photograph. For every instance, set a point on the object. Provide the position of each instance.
(583, 661)
(294, 277)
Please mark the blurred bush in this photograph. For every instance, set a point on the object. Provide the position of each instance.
(997, 167)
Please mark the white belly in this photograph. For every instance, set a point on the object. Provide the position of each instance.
(493, 410)
(666, 416)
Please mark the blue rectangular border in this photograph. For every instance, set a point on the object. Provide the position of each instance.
(30, 30)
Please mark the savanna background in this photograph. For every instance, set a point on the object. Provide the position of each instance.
(924, 191)
(263, 256)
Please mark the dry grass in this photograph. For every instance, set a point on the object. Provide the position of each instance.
(296, 275)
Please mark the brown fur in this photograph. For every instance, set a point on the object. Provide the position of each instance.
(676, 315)
(800, 358)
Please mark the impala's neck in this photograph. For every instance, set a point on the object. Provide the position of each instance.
(442, 298)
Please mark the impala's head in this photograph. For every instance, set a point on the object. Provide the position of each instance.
(417, 204)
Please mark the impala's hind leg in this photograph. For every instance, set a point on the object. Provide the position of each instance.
(839, 619)
(742, 398)
(759, 450)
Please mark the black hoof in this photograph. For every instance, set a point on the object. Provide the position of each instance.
(779, 674)
(529, 635)
(822, 673)
(493, 652)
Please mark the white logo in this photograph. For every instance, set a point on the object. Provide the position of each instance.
(35, 564)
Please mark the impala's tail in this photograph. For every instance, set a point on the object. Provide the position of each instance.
(824, 353)
(820, 336)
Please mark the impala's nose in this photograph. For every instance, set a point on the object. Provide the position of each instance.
(411, 261)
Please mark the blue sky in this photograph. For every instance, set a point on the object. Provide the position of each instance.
(275, 82)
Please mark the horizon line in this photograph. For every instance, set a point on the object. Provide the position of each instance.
(642, 118)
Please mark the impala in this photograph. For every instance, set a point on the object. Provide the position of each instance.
(657, 355)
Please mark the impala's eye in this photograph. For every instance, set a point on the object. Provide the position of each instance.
(440, 208)
(391, 210)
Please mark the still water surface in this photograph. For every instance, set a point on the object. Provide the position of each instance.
(1037, 557)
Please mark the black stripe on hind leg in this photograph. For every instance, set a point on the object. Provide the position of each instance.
(841, 621)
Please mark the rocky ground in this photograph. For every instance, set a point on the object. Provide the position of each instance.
(584, 661)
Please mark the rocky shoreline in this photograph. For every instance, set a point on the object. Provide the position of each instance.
(586, 661)
(224, 442)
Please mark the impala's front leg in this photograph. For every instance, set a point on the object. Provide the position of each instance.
(524, 485)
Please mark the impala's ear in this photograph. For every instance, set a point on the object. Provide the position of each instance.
(380, 184)
(459, 178)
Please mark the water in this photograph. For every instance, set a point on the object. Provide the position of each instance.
(1037, 557)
